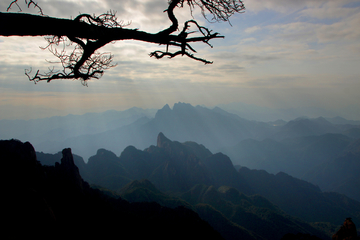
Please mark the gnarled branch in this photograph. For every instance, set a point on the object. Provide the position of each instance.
(88, 33)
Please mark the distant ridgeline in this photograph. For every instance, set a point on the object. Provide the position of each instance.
(243, 204)
(322, 151)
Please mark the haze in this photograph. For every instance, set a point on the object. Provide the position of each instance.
(278, 54)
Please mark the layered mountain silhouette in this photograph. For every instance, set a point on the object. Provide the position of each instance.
(51, 134)
(54, 202)
(213, 128)
(330, 161)
(299, 147)
(339, 173)
(265, 114)
(295, 156)
(176, 168)
(271, 159)
(170, 166)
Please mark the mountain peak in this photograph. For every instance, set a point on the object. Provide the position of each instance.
(166, 107)
(162, 141)
(182, 106)
(163, 111)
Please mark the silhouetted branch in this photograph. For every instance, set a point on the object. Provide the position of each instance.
(221, 10)
(160, 54)
(183, 41)
(76, 65)
(28, 3)
(88, 33)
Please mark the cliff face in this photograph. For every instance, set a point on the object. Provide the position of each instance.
(25, 206)
(53, 202)
(69, 172)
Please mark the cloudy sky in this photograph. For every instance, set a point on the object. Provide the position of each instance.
(278, 54)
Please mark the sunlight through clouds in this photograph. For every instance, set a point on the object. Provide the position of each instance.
(273, 48)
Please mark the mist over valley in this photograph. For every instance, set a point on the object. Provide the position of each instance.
(262, 180)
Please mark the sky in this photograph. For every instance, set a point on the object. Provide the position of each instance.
(277, 54)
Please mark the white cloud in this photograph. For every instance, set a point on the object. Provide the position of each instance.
(304, 48)
(328, 12)
(289, 6)
(252, 29)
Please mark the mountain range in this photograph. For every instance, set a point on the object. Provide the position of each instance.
(312, 149)
(214, 128)
(245, 178)
(50, 131)
(188, 174)
(54, 202)
(267, 114)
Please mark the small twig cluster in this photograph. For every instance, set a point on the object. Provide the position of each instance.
(92, 68)
(183, 41)
(108, 20)
(28, 3)
(83, 62)
(220, 10)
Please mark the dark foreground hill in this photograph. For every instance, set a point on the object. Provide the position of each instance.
(54, 202)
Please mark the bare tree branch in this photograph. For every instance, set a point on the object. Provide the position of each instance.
(220, 10)
(87, 33)
(28, 3)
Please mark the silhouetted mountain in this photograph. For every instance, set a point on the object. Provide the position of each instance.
(47, 134)
(86, 145)
(266, 114)
(55, 203)
(50, 160)
(306, 127)
(255, 213)
(268, 154)
(295, 156)
(175, 167)
(104, 168)
(228, 211)
(170, 166)
(341, 173)
(330, 161)
(212, 128)
(347, 231)
(300, 198)
(352, 132)
(342, 121)
(61, 128)
(145, 191)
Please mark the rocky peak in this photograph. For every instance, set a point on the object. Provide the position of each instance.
(163, 112)
(162, 141)
(24, 153)
(182, 106)
(347, 231)
(18, 162)
(69, 170)
(67, 159)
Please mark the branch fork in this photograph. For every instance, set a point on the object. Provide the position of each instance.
(88, 33)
